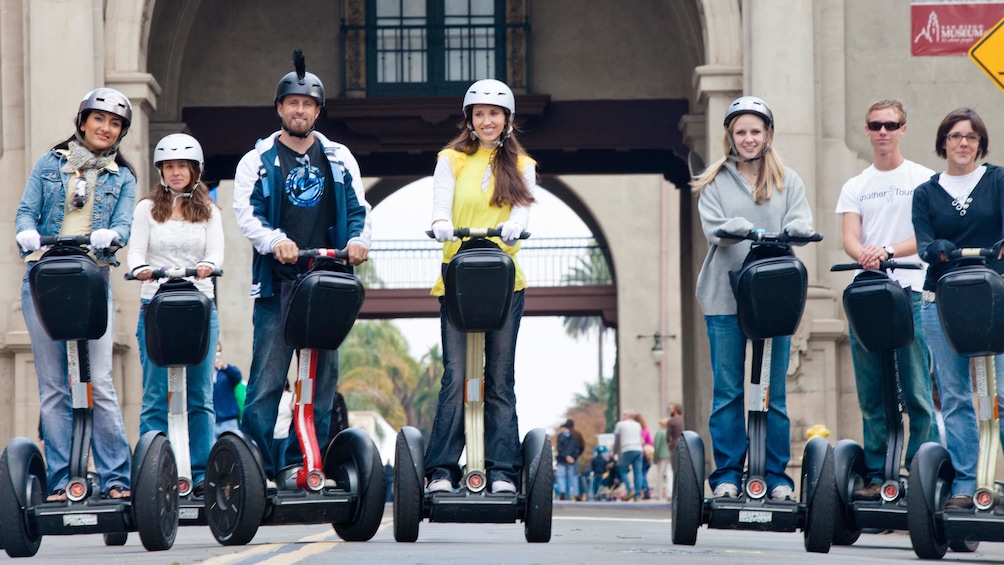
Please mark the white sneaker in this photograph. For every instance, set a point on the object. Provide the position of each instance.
(440, 485)
(726, 490)
(782, 492)
(503, 486)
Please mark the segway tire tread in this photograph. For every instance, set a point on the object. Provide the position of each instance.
(114, 539)
(235, 512)
(18, 540)
(540, 499)
(371, 501)
(155, 497)
(822, 509)
(926, 534)
(407, 494)
(688, 503)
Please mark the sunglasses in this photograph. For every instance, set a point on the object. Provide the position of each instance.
(80, 195)
(889, 126)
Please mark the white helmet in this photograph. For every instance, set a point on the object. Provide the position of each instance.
(749, 105)
(178, 146)
(490, 91)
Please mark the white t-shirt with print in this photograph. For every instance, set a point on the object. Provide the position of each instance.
(884, 200)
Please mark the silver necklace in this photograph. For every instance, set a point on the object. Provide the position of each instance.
(963, 200)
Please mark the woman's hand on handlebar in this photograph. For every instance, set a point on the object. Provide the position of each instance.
(357, 253)
(203, 271)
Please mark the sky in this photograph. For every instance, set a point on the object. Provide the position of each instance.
(551, 368)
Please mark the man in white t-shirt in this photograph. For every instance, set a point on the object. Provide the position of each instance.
(876, 207)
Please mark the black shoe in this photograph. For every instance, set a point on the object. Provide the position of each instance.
(200, 489)
(959, 502)
(871, 492)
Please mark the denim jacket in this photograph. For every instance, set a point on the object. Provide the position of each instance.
(43, 203)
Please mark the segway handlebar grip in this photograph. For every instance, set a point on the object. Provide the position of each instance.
(479, 233)
(323, 252)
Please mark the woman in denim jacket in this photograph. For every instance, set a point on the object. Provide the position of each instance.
(82, 186)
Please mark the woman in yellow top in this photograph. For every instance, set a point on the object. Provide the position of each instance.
(483, 178)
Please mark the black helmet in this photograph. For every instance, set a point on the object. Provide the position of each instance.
(749, 105)
(300, 81)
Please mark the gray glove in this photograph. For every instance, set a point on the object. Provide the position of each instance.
(29, 240)
(738, 226)
(799, 228)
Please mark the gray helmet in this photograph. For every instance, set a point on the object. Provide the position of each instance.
(749, 105)
(300, 81)
(107, 100)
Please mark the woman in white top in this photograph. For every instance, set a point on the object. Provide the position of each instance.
(178, 225)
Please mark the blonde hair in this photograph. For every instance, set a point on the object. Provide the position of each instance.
(769, 176)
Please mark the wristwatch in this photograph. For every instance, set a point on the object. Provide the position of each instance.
(890, 251)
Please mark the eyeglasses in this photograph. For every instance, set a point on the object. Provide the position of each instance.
(80, 195)
(889, 126)
(957, 137)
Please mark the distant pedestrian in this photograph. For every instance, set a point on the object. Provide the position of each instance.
(628, 447)
(569, 449)
(660, 457)
(226, 380)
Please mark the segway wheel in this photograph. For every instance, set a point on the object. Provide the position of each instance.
(407, 493)
(155, 496)
(822, 508)
(353, 459)
(688, 501)
(963, 546)
(116, 538)
(20, 539)
(927, 534)
(853, 458)
(235, 492)
(540, 496)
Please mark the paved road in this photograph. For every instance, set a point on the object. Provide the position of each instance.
(582, 533)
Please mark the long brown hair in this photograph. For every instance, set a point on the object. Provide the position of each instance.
(509, 185)
(196, 209)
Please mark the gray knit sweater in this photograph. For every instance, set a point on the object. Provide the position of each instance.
(725, 198)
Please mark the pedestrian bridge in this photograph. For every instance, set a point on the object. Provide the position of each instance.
(565, 277)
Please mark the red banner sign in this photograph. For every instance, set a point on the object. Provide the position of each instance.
(950, 28)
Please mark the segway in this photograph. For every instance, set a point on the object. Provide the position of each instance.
(347, 488)
(970, 301)
(69, 295)
(770, 292)
(177, 323)
(880, 313)
(479, 287)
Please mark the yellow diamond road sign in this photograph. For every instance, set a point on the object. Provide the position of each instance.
(988, 54)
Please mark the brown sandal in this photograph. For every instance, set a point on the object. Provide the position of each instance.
(58, 495)
(119, 492)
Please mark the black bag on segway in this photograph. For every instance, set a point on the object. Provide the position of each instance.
(971, 307)
(177, 324)
(879, 311)
(323, 308)
(69, 294)
(770, 291)
(479, 285)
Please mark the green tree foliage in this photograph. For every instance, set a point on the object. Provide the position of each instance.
(377, 373)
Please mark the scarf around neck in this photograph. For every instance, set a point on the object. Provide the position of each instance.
(80, 159)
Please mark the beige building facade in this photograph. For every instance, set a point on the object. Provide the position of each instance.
(818, 64)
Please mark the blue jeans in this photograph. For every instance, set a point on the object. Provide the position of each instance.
(567, 479)
(728, 415)
(955, 388)
(231, 425)
(915, 383)
(269, 365)
(109, 445)
(503, 458)
(632, 460)
(201, 417)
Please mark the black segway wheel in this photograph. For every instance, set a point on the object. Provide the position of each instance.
(353, 459)
(235, 492)
(963, 546)
(688, 502)
(927, 533)
(407, 492)
(823, 505)
(539, 486)
(155, 496)
(116, 538)
(19, 536)
(850, 473)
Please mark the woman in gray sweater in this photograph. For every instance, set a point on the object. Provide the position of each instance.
(748, 188)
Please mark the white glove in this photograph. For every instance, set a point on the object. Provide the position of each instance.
(29, 240)
(443, 230)
(799, 228)
(510, 232)
(738, 226)
(102, 239)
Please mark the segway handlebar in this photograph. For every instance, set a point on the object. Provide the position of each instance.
(75, 241)
(761, 236)
(174, 272)
(479, 233)
(985, 252)
(890, 265)
(323, 252)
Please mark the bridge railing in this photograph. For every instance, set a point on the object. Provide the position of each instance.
(546, 262)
